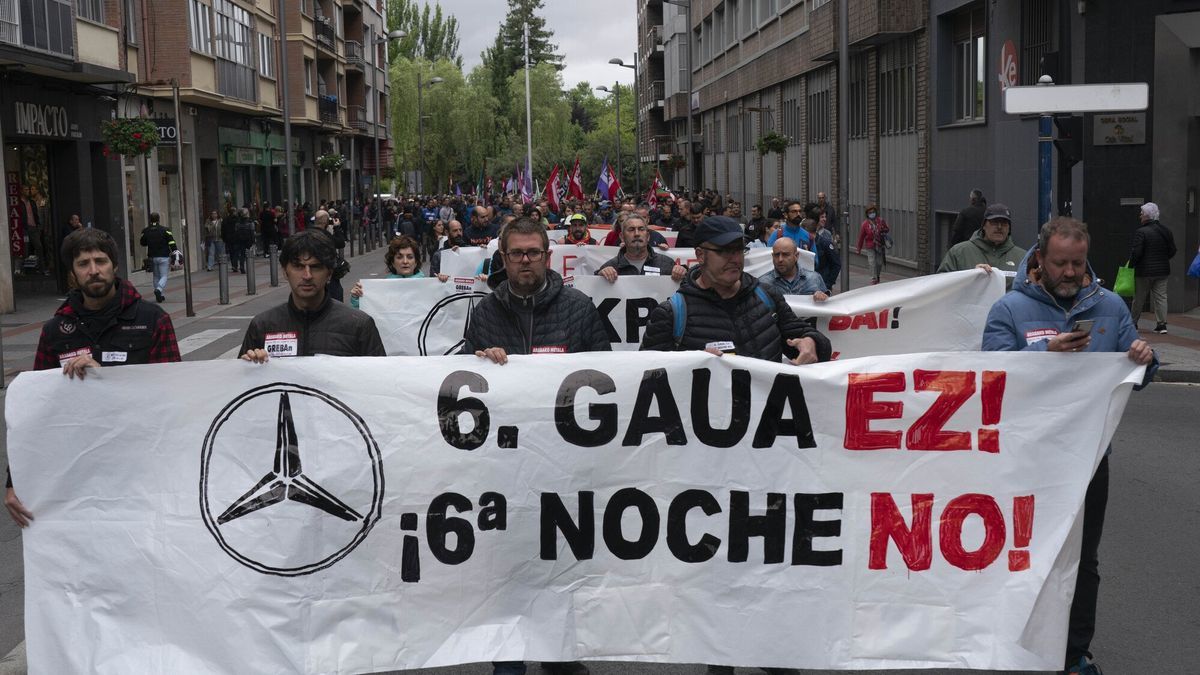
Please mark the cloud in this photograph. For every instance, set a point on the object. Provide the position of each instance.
(587, 33)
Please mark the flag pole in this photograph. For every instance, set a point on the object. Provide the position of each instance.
(528, 109)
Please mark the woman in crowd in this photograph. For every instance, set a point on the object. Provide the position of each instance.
(403, 259)
(874, 234)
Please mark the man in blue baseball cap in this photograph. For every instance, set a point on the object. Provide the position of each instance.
(724, 310)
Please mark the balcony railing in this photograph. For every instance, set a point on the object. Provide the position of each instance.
(326, 36)
(656, 94)
(358, 117)
(354, 54)
(328, 108)
(237, 81)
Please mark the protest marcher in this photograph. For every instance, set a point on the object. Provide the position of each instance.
(991, 246)
(613, 238)
(1058, 305)
(831, 214)
(403, 260)
(532, 312)
(103, 322)
(310, 322)
(874, 234)
(577, 231)
(1150, 258)
(636, 256)
(727, 310)
(454, 239)
(789, 277)
(793, 228)
(757, 225)
(480, 231)
(970, 219)
(243, 240)
(690, 216)
(160, 246)
(327, 222)
(268, 226)
(776, 213)
(829, 258)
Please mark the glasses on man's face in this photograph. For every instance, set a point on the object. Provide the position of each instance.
(532, 255)
(727, 252)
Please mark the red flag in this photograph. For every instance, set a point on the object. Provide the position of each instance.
(652, 197)
(575, 182)
(552, 190)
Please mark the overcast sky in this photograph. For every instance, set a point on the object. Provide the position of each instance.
(588, 33)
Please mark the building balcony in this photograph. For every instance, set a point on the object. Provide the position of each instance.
(325, 34)
(656, 98)
(654, 41)
(237, 81)
(357, 116)
(327, 107)
(354, 55)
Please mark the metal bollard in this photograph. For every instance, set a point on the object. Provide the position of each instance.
(223, 277)
(273, 263)
(250, 285)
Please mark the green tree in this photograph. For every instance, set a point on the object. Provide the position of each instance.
(554, 135)
(507, 53)
(601, 141)
(432, 35)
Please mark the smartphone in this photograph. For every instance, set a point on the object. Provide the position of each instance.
(1084, 325)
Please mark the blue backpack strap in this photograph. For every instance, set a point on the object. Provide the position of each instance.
(679, 309)
(766, 298)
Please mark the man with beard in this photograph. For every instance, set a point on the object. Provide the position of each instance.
(757, 223)
(1054, 291)
(636, 257)
(104, 322)
(480, 231)
(793, 228)
(577, 231)
(532, 312)
(454, 239)
(721, 309)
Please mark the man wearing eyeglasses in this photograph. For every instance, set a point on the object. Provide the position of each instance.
(728, 311)
(532, 312)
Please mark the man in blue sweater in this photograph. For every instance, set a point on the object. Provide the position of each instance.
(1054, 289)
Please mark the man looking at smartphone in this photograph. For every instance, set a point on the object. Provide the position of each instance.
(1057, 305)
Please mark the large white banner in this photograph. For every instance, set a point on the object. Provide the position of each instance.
(936, 313)
(356, 515)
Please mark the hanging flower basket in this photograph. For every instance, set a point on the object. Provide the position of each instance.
(330, 162)
(676, 162)
(131, 136)
(772, 142)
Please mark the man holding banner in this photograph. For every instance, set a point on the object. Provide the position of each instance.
(1057, 305)
(636, 257)
(788, 277)
(721, 309)
(532, 312)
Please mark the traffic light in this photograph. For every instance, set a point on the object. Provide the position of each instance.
(1069, 140)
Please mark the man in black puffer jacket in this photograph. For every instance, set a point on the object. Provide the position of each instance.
(728, 311)
(531, 312)
(1150, 258)
(310, 322)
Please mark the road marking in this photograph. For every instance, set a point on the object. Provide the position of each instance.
(231, 354)
(220, 317)
(202, 339)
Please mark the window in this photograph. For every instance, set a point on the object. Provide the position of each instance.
(200, 27)
(766, 11)
(308, 76)
(696, 47)
(266, 55)
(133, 22)
(970, 59)
(731, 22)
(858, 96)
(92, 10)
(48, 26)
(706, 41)
(233, 33)
(746, 18)
(791, 115)
(718, 34)
(898, 87)
(681, 84)
(748, 138)
(818, 107)
(1038, 27)
(10, 31)
(818, 3)
(733, 130)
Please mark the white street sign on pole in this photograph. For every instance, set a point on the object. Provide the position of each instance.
(1077, 98)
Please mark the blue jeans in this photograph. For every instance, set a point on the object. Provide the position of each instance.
(161, 267)
(215, 250)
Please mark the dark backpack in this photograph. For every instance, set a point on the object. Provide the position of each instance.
(679, 309)
(245, 231)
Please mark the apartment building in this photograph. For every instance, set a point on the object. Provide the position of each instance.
(66, 66)
(771, 65)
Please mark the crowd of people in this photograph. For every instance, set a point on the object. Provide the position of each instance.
(1056, 303)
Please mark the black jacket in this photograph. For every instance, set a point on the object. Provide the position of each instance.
(1153, 248)
(968, 220)
(555, 319)
(229, 229)
(625, 268)
(159, 241)
(333, 329)
(745, 320)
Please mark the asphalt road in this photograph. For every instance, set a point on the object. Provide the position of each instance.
(1149, 615)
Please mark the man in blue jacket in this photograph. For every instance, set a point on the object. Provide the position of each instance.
(1055, 288)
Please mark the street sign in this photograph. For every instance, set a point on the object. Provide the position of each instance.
(1076, 98)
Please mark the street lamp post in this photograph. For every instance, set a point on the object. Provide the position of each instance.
(421, 127)
(637, 119)
(687, 7)
(281, 12)
(616, 92)
(393, 35)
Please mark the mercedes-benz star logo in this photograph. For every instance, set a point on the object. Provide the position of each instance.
(296, 518)
(440, 319)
